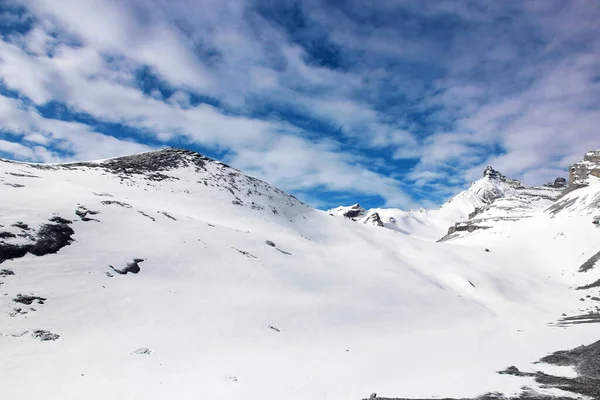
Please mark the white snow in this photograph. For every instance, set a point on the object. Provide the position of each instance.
(356, 308)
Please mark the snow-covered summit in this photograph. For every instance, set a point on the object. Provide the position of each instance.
(433, 224)
(192, 177)
(492, 186)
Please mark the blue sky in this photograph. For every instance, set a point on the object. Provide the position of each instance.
(386, 103)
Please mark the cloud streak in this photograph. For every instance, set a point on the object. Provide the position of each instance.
(340, 99)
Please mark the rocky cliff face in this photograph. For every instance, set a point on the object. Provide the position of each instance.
(580, 172)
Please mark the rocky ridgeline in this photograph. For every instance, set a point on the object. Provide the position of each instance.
(580, 172)
(186, 171)
(503, 206)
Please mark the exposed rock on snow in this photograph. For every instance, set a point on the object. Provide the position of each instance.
(142, 351)
(353, 212)
(44, 336)
(590, 263)
(49, 239)
(114, 202)
(83, 213)
(579, 173)
(583, 359)
(559, 183)
(132, 267)
(29, 299)
(374, 219)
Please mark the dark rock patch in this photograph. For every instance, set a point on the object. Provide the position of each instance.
(7, 235)
(374, 219)
(102, 194)
(585, 360)
(132, 267)
(22, 175)
(514, 371)
(284, 252)
(6, 272)
(10, 251)
(273, 328)
(83, 213)
(151, 162)
(60, 220)
(147, 216)
(354, 211)
(114, 202)
(44, 336)
(589, 286)
(269, 243)
(17, 311)
(589, 264)
(15, 185)
(477, 211)
(168, 215)
(468, 226)
(590, 318)
(29, 299)
(21, 225)
(249, 255)
(49, 239)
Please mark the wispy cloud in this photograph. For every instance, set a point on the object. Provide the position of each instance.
(341, 99)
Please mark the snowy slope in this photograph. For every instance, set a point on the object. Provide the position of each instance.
(243, 292)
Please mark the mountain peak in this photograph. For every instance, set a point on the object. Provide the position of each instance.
(152, 161)
(491, 173)
(580, 172)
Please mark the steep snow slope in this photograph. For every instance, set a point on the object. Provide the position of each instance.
(187, 279)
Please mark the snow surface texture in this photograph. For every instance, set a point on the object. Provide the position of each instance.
(183, 278)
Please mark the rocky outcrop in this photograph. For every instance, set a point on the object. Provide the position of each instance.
(491, 173)
(580, 172)
(353, 212)
(374, 219)
(558, 183)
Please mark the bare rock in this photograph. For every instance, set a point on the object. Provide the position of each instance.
(44, 336)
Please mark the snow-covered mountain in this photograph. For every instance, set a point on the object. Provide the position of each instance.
(494, 197)
(171, 275)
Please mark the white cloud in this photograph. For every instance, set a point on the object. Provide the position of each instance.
(515, 85)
